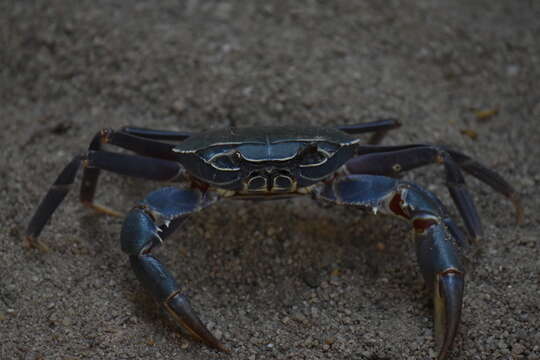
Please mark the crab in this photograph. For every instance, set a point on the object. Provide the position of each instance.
(327, 163)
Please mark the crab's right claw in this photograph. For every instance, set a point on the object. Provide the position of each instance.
(448, 297)
(179, 307)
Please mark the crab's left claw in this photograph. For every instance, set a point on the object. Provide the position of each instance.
(448, 296)
(438, 257)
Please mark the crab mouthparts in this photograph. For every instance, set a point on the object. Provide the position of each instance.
(270, 180)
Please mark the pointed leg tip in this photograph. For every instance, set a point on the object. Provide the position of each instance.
(476, 239)
(222, 348)
(102, 209)
(518, 207)
(30, 242)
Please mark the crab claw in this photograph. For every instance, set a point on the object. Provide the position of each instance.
(179, 307)
(163, 287)
(438, 256)
(448, 296)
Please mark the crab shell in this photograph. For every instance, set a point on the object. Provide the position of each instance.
(265, 159)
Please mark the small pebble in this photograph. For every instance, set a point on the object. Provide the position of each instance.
(330, 340)
(300, 318)
(179, 106)
(517, 349)
(512, 70)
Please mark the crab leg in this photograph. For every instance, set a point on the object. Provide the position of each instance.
(130, 165)
(50, 202)
(472, 167)
(140, 234)
(392, 163)
(124, 140)
(157, 134)
(491, 178)
(380, 127)
(395, 162)
(437, 245)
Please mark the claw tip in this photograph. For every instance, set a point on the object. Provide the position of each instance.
(448, 297)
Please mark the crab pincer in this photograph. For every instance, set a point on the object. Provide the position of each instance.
(162, 286)
(438, 257)
(448, 297)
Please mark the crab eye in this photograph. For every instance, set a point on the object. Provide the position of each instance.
(313, 157)
(225, 162)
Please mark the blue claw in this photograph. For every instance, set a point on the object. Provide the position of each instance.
(438, 258)
(448, 297)
(438, 240)
(140, 234)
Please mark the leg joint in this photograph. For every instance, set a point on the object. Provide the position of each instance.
(139, 233)
(422, 222)
(451, 271)
(105, 135)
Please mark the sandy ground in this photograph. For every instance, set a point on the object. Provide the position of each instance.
(288, 279)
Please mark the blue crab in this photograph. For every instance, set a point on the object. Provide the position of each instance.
(329, 164)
